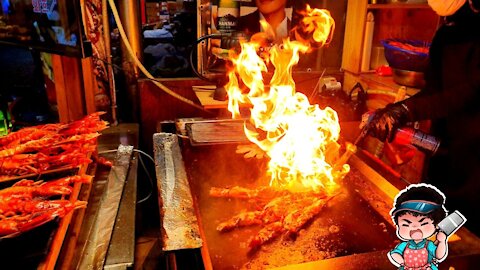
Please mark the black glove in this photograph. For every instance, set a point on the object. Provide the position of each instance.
(386, 121)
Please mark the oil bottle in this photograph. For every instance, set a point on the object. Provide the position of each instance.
(228, 15)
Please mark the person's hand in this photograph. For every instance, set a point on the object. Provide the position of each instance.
(263, 39)
(226, 45)
(441, 236)
(215, 47)
(386, 121)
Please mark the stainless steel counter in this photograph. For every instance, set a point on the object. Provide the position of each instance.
(121, 249)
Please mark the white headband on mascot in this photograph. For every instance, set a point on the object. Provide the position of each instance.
(446, 7)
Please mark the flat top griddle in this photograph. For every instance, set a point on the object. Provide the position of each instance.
(347, 225)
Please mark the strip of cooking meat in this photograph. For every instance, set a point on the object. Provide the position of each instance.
(295, 220)
(246, 193)
(238, 192)
(241, 220)
(275, 210)
(286, 212)
(267, 233)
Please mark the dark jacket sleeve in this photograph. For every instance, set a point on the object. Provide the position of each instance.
(454, 84)
(439, 105)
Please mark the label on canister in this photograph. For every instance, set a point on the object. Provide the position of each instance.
(424, 141)
(228, 14)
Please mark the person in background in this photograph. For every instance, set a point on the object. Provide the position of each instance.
(271, 11)
(451, 99)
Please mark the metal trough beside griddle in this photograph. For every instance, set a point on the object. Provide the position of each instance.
(179, 223)
(347, 225)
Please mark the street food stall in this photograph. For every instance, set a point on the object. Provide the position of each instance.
(263, 191)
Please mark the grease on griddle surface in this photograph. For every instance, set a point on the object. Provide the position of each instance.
(347, 225)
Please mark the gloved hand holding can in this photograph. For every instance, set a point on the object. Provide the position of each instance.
(384, 122)
(389, 123)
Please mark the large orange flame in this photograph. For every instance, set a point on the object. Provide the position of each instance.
(299, 137)
(318, 24)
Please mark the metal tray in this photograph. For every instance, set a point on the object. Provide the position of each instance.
(28, 249)
(38, 176)
(207, 132)
(39, 247)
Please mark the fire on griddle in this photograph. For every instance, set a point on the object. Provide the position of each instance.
(298, 138)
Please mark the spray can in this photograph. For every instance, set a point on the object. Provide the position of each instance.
(409, 136)
(228, 15)
(417, 138)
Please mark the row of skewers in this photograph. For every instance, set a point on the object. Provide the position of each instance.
(36, 150)
(33, 150)
(279, 211)
(28, 204)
